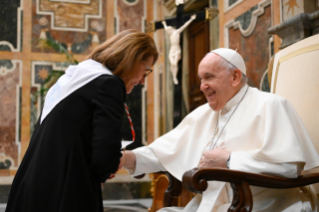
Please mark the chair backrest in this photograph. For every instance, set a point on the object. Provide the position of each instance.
(295, 76)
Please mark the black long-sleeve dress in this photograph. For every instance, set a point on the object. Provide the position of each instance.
(74, 149)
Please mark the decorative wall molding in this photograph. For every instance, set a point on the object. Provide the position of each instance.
(262, 79)
(18, 115)
(6, 68)
(227, 7)
(117, 17)
(6, 161)
(271, 46)
(236, 24)
(73, 1)
(281, 8)
(145, 14)
(11, 47)
(86, 16)
(130, 3)
(296, 28)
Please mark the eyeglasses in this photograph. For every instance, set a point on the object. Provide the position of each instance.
(148, 71)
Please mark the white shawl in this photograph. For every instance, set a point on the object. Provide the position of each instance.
(74, 78)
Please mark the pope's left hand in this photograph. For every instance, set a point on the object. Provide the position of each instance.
(215, 158)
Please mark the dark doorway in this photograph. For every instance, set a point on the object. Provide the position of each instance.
(198, 47)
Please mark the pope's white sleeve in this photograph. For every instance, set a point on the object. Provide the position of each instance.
(242, 161)
(146, 161)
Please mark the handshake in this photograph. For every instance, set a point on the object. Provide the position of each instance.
(127, 161)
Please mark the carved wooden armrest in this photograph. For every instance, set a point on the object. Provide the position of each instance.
(196, 179)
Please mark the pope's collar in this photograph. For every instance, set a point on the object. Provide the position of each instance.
(236, 99)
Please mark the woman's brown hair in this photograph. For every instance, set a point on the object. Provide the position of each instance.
(124, 51)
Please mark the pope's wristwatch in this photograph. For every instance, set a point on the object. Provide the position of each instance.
(227, 162)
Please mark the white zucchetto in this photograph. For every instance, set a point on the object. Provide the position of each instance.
(232, 57)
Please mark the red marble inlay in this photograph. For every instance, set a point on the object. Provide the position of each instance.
(255, 48)
(8, 119)
(130, 15)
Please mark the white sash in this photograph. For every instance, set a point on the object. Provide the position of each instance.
(74, 78)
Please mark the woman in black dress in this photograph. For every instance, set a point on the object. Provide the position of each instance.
(76, 144)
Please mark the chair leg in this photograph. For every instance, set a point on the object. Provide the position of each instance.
(248, 198)
(172, 192)
(242, 198)
(237, 198)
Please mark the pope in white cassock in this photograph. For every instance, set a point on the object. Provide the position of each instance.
(240, 128)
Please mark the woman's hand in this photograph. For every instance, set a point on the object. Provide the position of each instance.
(127, 160)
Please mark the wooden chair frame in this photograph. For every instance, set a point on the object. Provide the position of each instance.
(195, 180)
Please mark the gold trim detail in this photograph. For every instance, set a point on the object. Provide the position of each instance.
(150, 27)
(211, 13)
(291, 55)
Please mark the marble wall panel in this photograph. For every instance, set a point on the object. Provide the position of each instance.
(43, 76)
(255, 48)
(291, 8)
(245, 18)
(69, 15)
(228, 4)
(10, 85)
(231, 2)
(77, 26)
(10, 22)
(130, 14)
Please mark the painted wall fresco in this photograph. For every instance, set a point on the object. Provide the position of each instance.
(10, 85)
(255, 48)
